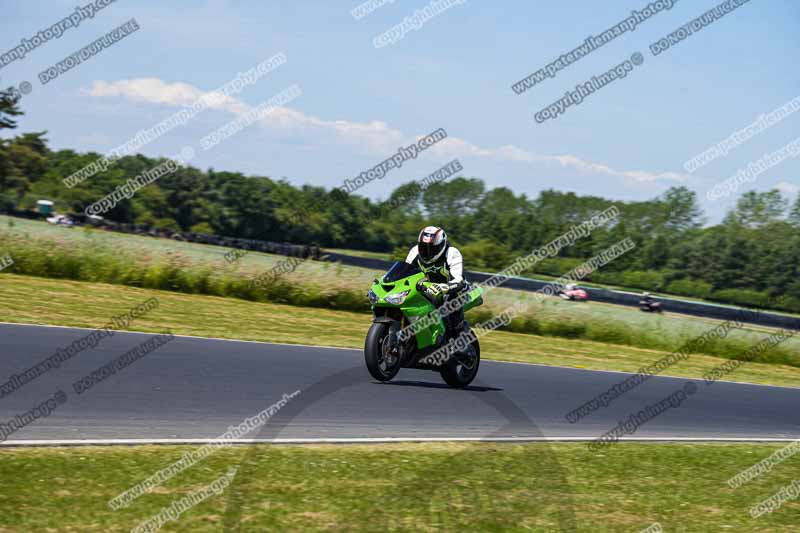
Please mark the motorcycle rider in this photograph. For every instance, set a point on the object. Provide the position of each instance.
(443, 267)
(647, 301)
(564, 291)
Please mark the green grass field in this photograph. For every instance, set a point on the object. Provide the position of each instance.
(252, 262)
(405, 487)
(153, 249)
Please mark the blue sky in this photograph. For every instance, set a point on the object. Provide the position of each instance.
(627, 141)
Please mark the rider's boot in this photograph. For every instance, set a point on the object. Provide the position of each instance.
(456, 325)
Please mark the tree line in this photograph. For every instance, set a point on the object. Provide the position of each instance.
(752, 257)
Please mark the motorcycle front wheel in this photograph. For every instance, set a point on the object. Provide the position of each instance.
(381, 363)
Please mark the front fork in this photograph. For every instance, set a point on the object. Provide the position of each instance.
(392, 345)
(393, 339)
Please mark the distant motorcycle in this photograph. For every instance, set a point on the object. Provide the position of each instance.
(573, 293)
(61, 220)
(648, 305)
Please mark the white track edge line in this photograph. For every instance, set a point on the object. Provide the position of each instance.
(634, 373)
(182, 336)
(372, 440)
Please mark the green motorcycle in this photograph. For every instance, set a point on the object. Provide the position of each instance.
(401, 298)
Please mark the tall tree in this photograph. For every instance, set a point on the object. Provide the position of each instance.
(680, 209)
(11, 178)
(452, 204)
(794, 215)
(758, 209)
(9, 108)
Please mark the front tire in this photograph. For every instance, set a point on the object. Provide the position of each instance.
(459, 374)
(381, 365)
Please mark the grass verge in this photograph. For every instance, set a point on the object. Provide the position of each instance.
(409, 487)
(68, 303)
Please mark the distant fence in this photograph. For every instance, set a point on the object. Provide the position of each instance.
(628, 299)
(282, 248)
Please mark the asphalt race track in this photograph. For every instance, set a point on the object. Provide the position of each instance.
(193, 388)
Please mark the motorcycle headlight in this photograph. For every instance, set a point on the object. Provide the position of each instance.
(373, 298)
(396, 299)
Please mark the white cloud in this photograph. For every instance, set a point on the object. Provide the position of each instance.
(454, 147)
(374, 137)
(155, 91)
(787, 188)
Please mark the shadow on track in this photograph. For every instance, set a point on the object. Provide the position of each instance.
(451, 502)
(429, 385)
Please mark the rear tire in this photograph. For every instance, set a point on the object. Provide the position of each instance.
(458, 375)
(375, 353)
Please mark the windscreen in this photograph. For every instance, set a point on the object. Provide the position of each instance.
(400, 270)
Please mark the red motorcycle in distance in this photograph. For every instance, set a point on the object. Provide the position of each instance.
(573, 293)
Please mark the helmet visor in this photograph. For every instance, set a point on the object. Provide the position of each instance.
(427, 251)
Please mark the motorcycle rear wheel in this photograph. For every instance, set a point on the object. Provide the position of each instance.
(459, 375)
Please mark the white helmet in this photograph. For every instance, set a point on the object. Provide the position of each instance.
(431, 244)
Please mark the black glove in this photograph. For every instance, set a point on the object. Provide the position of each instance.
(457, 286)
